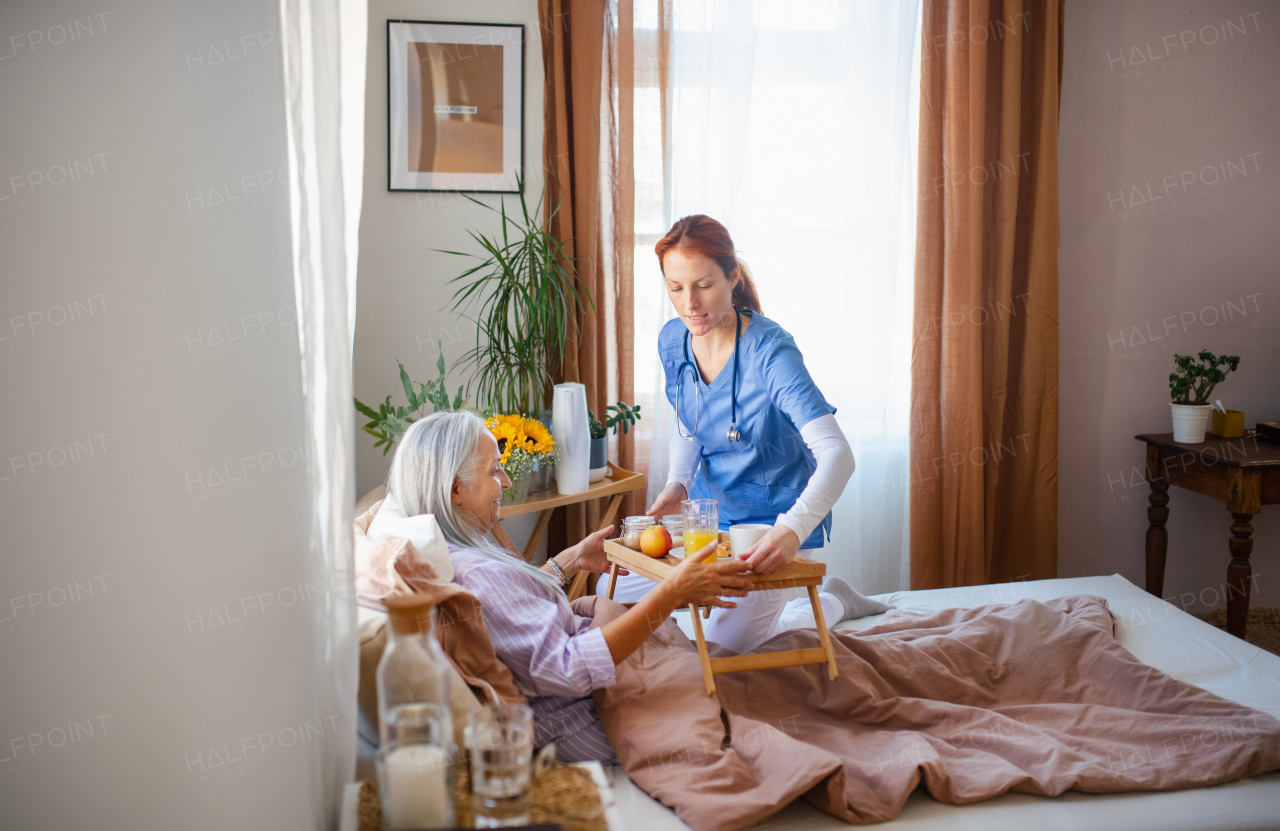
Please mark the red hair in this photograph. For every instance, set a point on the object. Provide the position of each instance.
(700, 234)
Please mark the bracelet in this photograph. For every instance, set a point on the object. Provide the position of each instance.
(564, 578)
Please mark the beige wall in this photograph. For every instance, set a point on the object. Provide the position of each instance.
(402, 298)
(1125, 123)
(1169, 160)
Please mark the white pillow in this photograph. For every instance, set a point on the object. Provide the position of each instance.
(422, 532)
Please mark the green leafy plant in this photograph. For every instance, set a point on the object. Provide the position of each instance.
(624, 416)
(524, 298)
(388, 422)
(1193, 383)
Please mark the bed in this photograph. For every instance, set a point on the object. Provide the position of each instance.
(1154, 631)
(1157, 633)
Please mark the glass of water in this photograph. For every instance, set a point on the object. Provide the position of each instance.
(500, 741)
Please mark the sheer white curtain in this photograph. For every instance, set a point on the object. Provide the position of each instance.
(324, 69)
(793, 122)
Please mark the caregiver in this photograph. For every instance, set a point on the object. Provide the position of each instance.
(752, 430)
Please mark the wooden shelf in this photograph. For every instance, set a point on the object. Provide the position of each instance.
(616, 480)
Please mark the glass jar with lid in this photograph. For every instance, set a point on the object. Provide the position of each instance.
(632, 528)
(674, 523)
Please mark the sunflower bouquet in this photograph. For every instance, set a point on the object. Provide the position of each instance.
(523, 442)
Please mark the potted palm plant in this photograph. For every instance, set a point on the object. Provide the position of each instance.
(1190, 387)
(522, 296)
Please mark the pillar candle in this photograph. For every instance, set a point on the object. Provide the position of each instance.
(415, 784)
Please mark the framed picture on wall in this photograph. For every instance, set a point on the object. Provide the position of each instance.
(455, 106)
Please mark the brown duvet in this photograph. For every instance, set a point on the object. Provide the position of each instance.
(1030, 697)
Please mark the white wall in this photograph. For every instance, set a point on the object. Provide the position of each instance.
(153, 603)
(1151, 267)
(402, 300)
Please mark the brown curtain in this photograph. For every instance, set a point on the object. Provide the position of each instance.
(587, 54)
(984, 365)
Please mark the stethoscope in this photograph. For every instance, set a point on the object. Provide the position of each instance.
(733, 434)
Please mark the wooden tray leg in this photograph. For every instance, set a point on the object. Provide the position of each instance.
(707, 677)
(823, 635)
(613, 579)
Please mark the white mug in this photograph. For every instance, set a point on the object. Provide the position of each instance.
(743, 537)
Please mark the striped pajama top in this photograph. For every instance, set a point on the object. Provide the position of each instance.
(553, 654)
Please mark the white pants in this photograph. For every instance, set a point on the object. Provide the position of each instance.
(758, 616)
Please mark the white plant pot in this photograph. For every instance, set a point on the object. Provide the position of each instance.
(1189, 421)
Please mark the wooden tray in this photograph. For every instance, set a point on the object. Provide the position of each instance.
(800, 573)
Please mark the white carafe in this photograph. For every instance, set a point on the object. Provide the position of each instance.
(573, 439)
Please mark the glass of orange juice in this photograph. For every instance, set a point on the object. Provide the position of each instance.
(701, 525)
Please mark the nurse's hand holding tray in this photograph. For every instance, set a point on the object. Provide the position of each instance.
(668, 502)
(775, 549)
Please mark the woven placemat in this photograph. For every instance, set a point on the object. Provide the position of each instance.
(564, 795)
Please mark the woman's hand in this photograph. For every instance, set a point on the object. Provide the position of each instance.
(588, 555)
(668, 502)
(694, 581)
(774, 551)
(690, 582)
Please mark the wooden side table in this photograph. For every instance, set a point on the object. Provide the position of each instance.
(802, 572)
(616, 483)
(1243, 473)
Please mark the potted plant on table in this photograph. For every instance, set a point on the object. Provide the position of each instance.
(622, 415)
(522, 296)
(1190, 387)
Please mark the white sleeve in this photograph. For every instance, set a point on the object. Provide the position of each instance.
(835, 465)
(683, 457)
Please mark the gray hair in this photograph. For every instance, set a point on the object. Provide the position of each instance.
(434, 453)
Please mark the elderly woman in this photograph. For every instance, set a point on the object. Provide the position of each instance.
(447, 465)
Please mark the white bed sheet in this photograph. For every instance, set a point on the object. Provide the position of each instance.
(1158, 634)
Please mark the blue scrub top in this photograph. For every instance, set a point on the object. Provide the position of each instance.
(763, 475)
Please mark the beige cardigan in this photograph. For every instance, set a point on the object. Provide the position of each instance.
(389, 566)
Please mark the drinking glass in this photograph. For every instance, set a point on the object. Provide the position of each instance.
(701, 525)
(500, 740)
